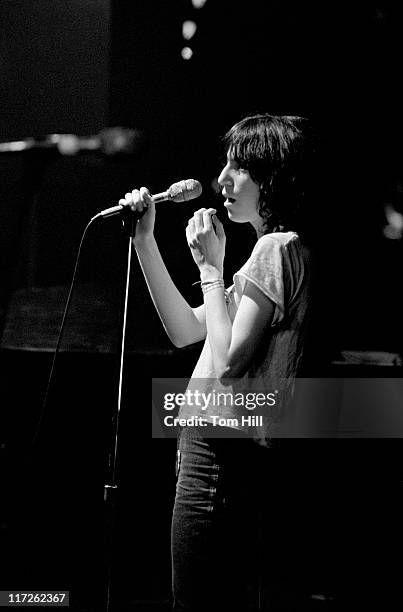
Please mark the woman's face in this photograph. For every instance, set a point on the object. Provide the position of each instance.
(241, 193)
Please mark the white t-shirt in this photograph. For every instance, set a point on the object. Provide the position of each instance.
(279, 267)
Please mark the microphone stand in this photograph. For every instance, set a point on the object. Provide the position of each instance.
(111, 487)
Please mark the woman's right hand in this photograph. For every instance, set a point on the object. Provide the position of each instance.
(140, 200)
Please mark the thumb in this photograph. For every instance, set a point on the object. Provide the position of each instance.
(218, 226)
(147, 198)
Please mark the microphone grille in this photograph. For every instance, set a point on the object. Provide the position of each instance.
(185, 190)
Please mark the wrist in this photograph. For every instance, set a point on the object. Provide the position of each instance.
(210, 273)
(143, 242)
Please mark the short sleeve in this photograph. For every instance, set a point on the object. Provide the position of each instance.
(264, 269)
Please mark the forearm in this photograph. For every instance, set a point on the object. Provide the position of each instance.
(219, 326)
(219, 331)
(233, 343)
(179, 321)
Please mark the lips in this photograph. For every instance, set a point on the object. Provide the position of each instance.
(228, 199)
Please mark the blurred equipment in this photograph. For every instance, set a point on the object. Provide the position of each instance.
(38, 154)
(109, 141)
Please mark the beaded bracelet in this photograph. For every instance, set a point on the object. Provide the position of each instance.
(214, 284)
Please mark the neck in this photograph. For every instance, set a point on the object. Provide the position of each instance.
(258, 226)
(261, 229)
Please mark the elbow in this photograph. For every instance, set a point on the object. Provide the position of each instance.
(178, 339)
(227, 372)
(179, 343)
(182, 342)
(234, 367)
(223, 373)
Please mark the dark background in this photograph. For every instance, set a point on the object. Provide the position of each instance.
(78, 67)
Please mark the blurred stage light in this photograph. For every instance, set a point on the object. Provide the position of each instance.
(186, 53)
(394, 229)
(188, 29)
(199, 3)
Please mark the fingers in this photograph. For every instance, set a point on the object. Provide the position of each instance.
(191, 233)
(201, 220)
(207, 216)
(198, 220)
(138, 199)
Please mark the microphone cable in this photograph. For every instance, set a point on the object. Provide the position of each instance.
(60, 337)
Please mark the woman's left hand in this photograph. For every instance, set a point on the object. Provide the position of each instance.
(206, 239)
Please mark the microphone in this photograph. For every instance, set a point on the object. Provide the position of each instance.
(182, 191)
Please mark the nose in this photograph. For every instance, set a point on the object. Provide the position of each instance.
(224, 178)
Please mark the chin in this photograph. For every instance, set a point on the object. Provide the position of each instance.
(237, 219)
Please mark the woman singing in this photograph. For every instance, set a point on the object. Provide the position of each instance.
(253, 336)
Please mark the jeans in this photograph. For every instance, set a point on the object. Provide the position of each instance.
(215, 525)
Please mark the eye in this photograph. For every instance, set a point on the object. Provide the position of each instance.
(234, 165)
(238, 167)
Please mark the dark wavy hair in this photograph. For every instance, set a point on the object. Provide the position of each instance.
(278, 152)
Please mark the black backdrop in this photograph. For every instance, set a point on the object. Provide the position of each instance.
(82, 66)
(337, 63)
(79, 66)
